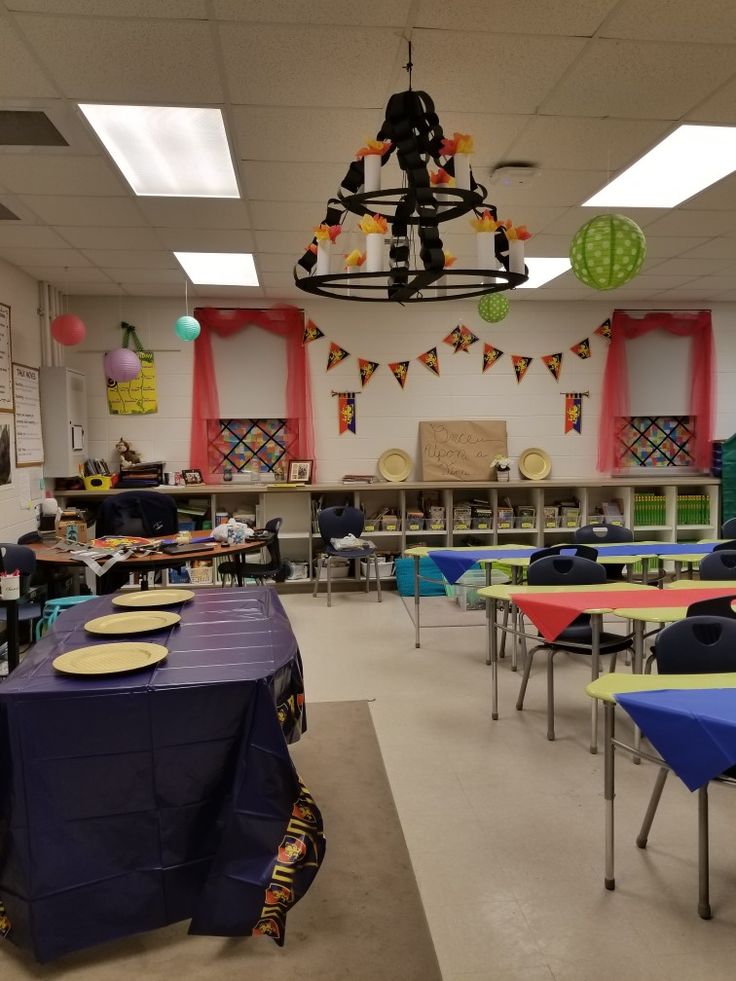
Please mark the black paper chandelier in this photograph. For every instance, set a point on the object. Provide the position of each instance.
(415, 267)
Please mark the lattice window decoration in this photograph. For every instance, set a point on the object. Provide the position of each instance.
(656, 441)
(253, 444)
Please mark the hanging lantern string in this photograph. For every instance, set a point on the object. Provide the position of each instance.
(186, 296)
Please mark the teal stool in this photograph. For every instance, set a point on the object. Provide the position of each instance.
(53, 608)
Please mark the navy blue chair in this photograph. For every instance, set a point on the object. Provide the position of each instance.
(23, 559)
(568, 570)
(274, 568)
(729, 546)
(728, 528)
(718, 565)
(337, 523)
(696, 645)
(609, 535)
(582, 551)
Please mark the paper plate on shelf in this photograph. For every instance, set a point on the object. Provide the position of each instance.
(132, 622)
(394, 465)
(534, 464)
(110, 658)
(144, 598)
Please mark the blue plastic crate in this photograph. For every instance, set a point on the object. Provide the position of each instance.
(405, 578)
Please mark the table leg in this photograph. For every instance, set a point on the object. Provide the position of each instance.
(639, 626)
(493, 649)
(416, 601)
(596, 621)
(143, 580)
(678, 569)
(609, 788)
(489, 603)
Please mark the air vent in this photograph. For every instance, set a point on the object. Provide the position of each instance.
(25, 127)
(7, 215)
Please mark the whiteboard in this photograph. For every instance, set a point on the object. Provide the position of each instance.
(6, 357)
(28, 436)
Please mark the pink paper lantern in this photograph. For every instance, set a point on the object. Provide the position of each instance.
(68, 329)
(122, 365)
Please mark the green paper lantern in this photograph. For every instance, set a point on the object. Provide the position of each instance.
(493, 307)
(608, 251)
(187, 328)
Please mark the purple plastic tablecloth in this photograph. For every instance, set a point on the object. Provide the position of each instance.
(132, 801)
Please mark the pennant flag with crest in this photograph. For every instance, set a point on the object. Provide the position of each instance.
(553, 362)
(491, 355)
(430, 360)
(521, 365)
(454, 338)
(467, 337)
(367, 370)
(400, 369)
(336, 355)
(311, 332)
(605, 329)
(574, 411)
(582, 349)
(346, 414)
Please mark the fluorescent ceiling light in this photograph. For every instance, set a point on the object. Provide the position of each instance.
(167, 151)
(219, 268)
(541, 271)
(686, 161)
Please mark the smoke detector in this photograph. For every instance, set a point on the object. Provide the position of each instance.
(513, 175)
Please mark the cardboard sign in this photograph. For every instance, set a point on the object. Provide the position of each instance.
(463, 451)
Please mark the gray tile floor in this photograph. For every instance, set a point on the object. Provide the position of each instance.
(505, 829)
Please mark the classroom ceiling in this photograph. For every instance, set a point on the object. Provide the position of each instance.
(578, 88)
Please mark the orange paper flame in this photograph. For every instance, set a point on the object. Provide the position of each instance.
(486, 222)
(518, 233)
(372, 224)
(324, 232)
(441, 177)
(449, 258)
(374, 148)
(460, 143)
(354, 259)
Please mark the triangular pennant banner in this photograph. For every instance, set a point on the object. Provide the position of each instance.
(454, 338)
(521, 365)
(400, 369)
(367, 370)
(467, 337)
(553, 363)
(491, 355)
(336, 355)
(311, 332)
(582, 349)
(605, 329)
(430, 360)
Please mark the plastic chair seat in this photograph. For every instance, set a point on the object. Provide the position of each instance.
(349, 553)
(609, 643)
(26, 611)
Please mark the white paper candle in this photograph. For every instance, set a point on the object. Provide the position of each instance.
(323, 257)
(484, 250)
(374, 252)
(462, 170)
(516, 256)
(372, 172)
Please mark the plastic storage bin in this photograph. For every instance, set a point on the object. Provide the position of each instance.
(385, 569)
(434, 585)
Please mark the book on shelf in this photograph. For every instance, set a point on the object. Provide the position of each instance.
(358, 478)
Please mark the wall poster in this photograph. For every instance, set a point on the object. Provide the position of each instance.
(28, 435)
(6, 357)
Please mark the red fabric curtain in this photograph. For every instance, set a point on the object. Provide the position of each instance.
(615, 402)
(284, 321)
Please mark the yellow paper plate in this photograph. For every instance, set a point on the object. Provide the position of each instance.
(144, 598)
(534, 464)
(133, 622)
(394, 465)
(110, 658)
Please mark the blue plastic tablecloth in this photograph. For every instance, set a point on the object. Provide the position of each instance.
(693, 731)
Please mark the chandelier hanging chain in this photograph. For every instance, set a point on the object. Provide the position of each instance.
(410, 64)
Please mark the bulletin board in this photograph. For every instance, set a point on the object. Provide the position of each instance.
(6, 361)
(137, 397)
(455, 450)
(28, 434)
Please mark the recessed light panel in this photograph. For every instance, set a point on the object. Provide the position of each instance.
(542, 270)
(685, 162)
(219, 268)
(167, 151)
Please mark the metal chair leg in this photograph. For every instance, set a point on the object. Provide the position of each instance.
(329, 580)
(551, 696)
(525, 677)
(320, 560)
(703, 870)
(367, 575)
(378, 581)
(646, 825)
(504, 628)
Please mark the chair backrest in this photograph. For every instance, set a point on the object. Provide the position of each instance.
(583, 551)
(728, 528)
(30, 537)
(729, 546)
(274, 548)
(718, 606)
(18, 557)
(611, 534)
(718, 565)
(341, 521)
(565, 570)
(137, 513)
(697, 645)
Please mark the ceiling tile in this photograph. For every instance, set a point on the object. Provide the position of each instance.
(111, 238)
(577, 18)
(190, 9)
(682, 222)
(275, 262)
(673, 20)
(60, 258)
(54, 173)
(575, 218)
(632, 79)
(130, 259)
(133, 288)
(686, 293)
(716, 248)
(725, 281)
(381, 13)
(289, 216)
(195, 212)
(279, 181)
(717, 197)
(97, 59)
(717, 108)
(273, 280)
(75, 210)
(667, 247)
(460, 73)
(286, 294)
(290, 243)
(60, 278)
(206, 240)
(280, 59)
(148, 275)
(31, 236)
(94, 289)
(561, 188)
(689, 268)
(548, 245)
(20, 75)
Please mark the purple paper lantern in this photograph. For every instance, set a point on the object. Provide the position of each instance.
(122, 365)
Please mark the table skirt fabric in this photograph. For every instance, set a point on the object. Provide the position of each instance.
(130, 802)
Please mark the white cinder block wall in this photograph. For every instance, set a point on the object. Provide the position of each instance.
(387, 415)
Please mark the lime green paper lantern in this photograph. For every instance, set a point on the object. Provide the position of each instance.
(608, 251)
(493, 307)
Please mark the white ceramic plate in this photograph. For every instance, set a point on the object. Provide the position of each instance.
(394, 465)
(110, 658)
(132, 622)
(534, 464)
(145, 598)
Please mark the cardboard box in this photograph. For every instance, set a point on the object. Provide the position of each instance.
(71, 527)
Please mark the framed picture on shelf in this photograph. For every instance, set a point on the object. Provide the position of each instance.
(300, 472)
(192, 476)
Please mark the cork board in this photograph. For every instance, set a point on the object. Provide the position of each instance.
(456, 450)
